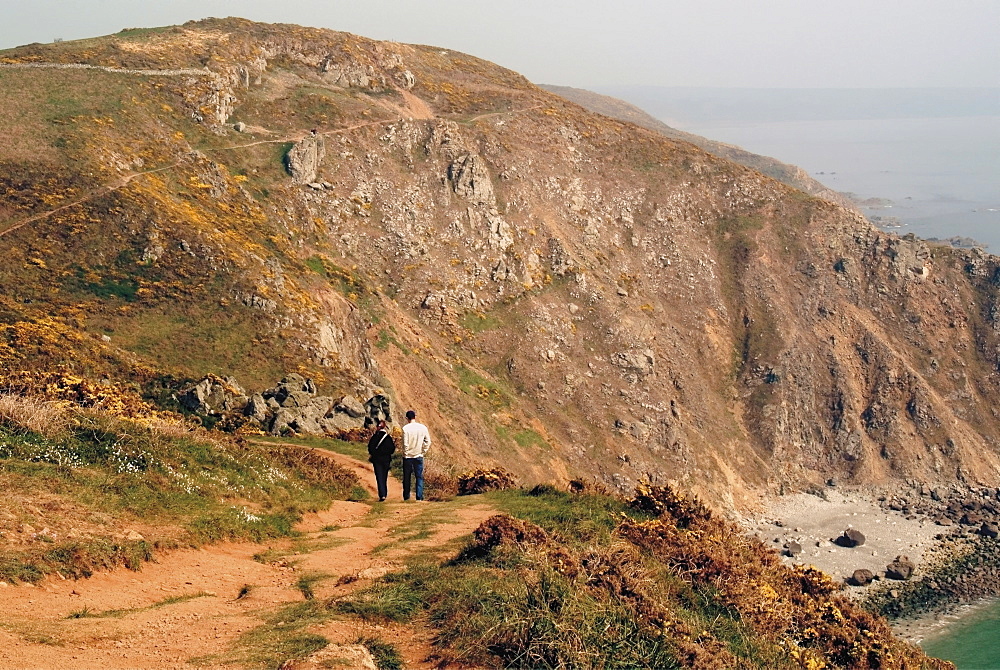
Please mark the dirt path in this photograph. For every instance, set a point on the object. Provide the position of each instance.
(186, 610)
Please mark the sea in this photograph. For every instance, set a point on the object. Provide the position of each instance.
(934, 177)
(972, 642)
(922, 161)
(925, 161)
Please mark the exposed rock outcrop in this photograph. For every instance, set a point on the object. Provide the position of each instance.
(305, 157)
(213, 396)
(470, 179)
(291, 405)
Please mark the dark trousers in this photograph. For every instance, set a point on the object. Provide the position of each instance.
(415, 467)
(381, 474)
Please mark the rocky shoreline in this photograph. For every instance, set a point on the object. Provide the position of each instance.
(917, 554)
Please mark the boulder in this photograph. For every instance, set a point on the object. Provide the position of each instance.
(350, 406)
(377, 409)
(310, 416)
(990, 530)
(971, 519)
(296, 399)
(861, 577)
(256, 408)
(354, 656)
(852, 537)
(291, 384)
(793, 549)
(901, 568)
(283, 420)
(213, 396)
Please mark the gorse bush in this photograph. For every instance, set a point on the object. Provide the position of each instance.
(590, 581)
(481, 481)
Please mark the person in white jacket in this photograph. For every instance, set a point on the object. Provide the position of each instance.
(416, 442)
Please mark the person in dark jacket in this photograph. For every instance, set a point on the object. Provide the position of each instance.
(381, 447)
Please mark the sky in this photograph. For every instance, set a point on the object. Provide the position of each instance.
(594, 43)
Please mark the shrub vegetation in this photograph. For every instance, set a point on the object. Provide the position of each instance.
(590, 581)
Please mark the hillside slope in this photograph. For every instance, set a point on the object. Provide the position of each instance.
(553, 290)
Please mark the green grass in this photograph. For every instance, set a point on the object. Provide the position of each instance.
(385, 339)
(530, 438)
(421, 527)
(281, 638)
(385, 654)
(356, 450)
(198, 339)
(473, 384)
(477, 322)
(307, 581)
(573, 518)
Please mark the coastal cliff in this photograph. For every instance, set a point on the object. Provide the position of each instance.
(565, 294)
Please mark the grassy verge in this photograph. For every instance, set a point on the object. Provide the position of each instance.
(87, 475)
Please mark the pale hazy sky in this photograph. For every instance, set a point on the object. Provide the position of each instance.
(586, 43)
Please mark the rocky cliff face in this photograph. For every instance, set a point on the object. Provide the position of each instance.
(552, 290)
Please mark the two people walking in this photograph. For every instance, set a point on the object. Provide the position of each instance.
(416, 442)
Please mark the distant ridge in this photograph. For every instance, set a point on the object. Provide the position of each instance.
(616, 108)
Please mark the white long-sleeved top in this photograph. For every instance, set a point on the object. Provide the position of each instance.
(416, 440)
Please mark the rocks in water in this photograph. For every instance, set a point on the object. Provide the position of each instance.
(851, 538)
(901, 568)
(304, 159)
(862, 577)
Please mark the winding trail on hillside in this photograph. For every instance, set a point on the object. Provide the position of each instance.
(90, 195)
(107, 68)
(190, 608)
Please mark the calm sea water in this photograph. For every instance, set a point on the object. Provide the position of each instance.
(972, 643)
(941, 176)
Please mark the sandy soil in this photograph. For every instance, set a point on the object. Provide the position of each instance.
(185, 607)
(814, 522)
